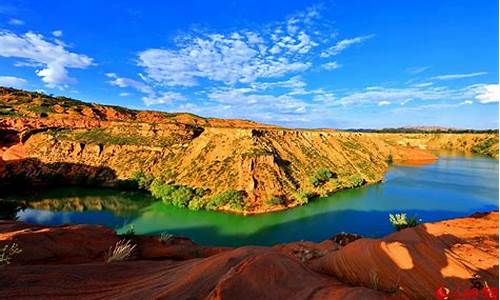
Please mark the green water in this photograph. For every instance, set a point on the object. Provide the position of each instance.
(453, 186)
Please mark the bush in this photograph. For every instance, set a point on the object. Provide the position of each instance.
(181, 196)
(233, 198)
(303, 197)
(141, 180)
(356, 181)
(401, 221)
(197, 204)
(322, 176)
(162, 191)
(178, 195)
(276, 200)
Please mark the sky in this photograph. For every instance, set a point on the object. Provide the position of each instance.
(307, 64)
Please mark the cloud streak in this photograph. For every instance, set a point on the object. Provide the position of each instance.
(344, 44)
(458, 76)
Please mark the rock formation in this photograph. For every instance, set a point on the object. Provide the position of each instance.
(68, 262)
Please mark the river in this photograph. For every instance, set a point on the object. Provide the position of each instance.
(453, 186)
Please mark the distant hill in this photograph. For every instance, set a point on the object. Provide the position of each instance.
(422, 129)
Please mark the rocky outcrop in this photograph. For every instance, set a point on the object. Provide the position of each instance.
(67, 262)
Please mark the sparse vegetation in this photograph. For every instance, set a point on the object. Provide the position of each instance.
(166, 238)
(303, 197)
(484, 147)
(130, 233)
(8, 252)
(121, 251)
(276, 200)
(321, 176)
(401, 221)
(355, 181)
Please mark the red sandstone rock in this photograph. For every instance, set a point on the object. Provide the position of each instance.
(67, 262)
(415, 262)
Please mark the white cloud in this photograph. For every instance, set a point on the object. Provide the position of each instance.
(127, 82)
(16, 22)
(258, 103)
(11, 81)
(124, 94)
(481, 93)
(383, 103)
(344, 44)
(57, 33)
(377, 94)
(163, 98)
(423, 84)
(51, 59)
(294, 82)
(487, 93)
(331, 65)
(217, 58)
(434, 106)
(239, 57)
(417, 70)
(458, 76)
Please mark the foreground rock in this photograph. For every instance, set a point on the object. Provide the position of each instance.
(67, 262)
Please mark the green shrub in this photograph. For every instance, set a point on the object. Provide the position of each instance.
(401, 221)
(130, 233)
(303, 197)
(197, 204)
(233, 198)
(276, 200)
(141, 180)
(322, 176)
(162, 191)
(356, 181)
(181, 196)
(390, 159)
(178, 195)
(483, 146)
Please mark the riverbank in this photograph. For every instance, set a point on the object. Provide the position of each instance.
(65, 262)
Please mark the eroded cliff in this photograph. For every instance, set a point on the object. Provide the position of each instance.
(232, 165)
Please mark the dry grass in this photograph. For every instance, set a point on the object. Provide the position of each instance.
(166, 237)
(8, 252)
(122, 250)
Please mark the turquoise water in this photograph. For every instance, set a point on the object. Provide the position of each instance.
(451, 187)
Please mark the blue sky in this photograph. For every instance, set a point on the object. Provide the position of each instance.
(340, 64)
